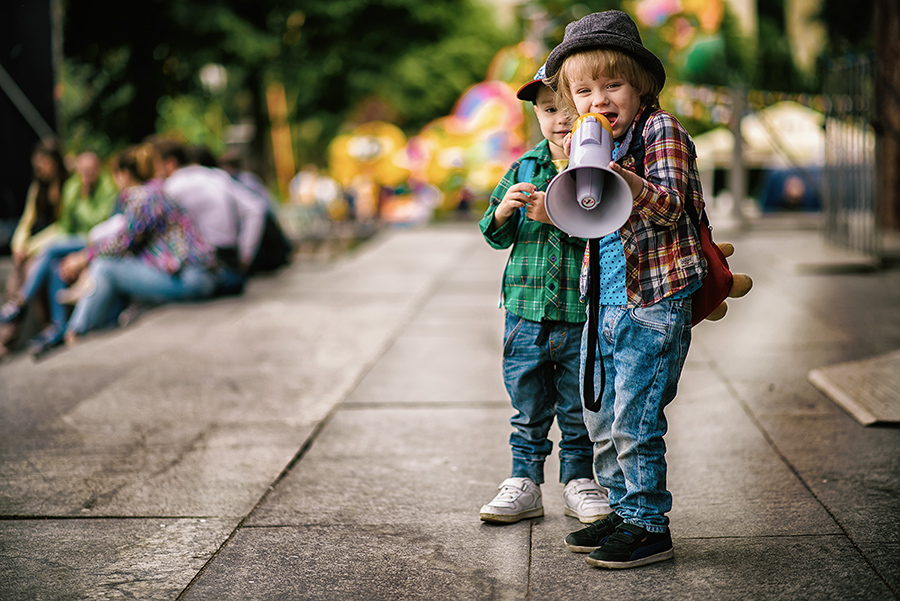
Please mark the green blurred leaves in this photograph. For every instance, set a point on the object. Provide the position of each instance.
(125, 61)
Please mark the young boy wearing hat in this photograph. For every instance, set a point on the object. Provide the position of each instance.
(646, 272)
(544, 319)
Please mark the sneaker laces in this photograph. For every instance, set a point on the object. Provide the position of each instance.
(588, 493)
(590, 496)
(508, 493)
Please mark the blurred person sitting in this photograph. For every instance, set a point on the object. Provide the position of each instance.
(87, 199)
(228, 215)
(274, 249)
(35, 229)
(158, 255)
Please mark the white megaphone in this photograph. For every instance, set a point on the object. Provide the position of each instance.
(588, 199)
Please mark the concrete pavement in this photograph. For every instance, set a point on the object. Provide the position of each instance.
(333, 433)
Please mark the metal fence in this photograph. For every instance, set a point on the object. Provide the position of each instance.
(850, 202)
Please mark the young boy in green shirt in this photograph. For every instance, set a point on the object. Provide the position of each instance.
(544, 320)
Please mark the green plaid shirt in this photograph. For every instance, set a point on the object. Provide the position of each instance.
(541, 278)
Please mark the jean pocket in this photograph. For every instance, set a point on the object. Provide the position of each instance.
(513, 326)
(658, 317)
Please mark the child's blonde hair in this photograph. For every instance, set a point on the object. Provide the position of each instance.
(609, 62)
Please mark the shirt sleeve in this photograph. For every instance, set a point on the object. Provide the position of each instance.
(142, 217)
(667, 157)
(505, 235)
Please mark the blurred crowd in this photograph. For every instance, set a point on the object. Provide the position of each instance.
(160, 222)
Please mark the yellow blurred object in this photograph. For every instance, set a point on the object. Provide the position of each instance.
(376, 149)
(282, 146)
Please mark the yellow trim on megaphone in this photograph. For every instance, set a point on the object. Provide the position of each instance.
(603, 121)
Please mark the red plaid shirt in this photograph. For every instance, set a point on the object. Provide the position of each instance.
(662, 250)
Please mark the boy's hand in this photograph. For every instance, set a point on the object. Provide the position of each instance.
(516, 197)
(567, 144)
(634, 181)
(536, 209)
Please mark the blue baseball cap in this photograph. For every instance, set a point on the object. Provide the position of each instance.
(529, 90)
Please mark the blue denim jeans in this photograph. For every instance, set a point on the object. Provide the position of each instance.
(643, 351)
(40, 270)
(44, 274)
(540, 370)
(125, 279)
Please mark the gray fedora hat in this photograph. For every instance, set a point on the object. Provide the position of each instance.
(608, 28)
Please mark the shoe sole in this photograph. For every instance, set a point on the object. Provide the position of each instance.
(584, 519)
(510, 519)
(620, 565)
(580, 549)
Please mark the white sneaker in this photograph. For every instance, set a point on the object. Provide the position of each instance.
(586, 500)
(519, 498)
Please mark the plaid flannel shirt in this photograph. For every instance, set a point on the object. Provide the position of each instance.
(662, 250)
(541, 278)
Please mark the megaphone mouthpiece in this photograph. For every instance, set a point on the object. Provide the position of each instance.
(588, 199)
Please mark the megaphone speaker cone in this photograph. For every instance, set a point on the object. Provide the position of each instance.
(566, 211)
(589, 200)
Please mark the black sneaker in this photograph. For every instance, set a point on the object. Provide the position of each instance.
(631, 546)
(46, 341)
(590, 538)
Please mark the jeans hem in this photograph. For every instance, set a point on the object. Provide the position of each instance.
(574, 471)
(652, 528)
(533, 473)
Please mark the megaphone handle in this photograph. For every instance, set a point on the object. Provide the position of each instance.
(592, 399)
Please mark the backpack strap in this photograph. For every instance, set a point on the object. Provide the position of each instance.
(526, 170)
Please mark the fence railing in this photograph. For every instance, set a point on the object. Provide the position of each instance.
(850, 203)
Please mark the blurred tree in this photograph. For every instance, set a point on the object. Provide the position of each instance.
(122, 59)
(775, 68)
(125, 59)
(403, 60)
(849, 26)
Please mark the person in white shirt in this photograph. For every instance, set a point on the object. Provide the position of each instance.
(228, 215)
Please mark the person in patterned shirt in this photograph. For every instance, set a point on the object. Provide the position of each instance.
(157, 256)
(544, 319)
(641, 280)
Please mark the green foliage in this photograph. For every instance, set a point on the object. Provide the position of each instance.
(413, 59)
(426, 82)
(131, 68)
(721, 59)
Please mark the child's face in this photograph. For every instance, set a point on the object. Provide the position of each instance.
(554, 124)
(612, 97)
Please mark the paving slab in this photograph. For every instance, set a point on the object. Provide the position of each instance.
(779, 568)
(868, 389)
(385, 502)
(152, 559)
(388, 561)
(332, 433)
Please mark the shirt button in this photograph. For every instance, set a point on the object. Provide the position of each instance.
(553, 259)
(552, 286)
